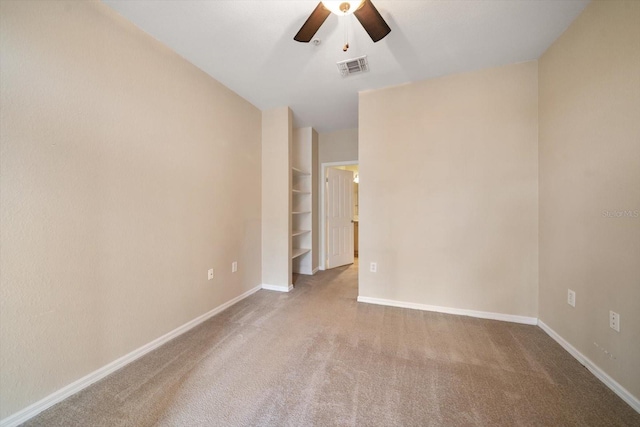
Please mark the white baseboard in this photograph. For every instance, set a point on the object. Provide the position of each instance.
(279, 288)
(84, 382)
(624, 394)
(459, 311)
(315, 270)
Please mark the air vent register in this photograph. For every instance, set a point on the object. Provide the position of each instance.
(353, 66)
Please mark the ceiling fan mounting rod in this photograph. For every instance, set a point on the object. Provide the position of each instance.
(346, 33)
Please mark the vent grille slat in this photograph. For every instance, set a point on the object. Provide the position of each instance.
(353, 66)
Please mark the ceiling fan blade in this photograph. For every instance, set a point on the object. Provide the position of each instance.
(372, 21)
(312, 24)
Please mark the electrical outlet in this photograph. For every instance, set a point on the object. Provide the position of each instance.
(571, 298)
(373, 267)
(210, 274)
(614, 321)
(234, 266)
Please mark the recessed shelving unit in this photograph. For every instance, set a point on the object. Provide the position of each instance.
(302, 201)
(301, 220)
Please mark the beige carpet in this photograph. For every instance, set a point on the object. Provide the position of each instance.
(316, 357)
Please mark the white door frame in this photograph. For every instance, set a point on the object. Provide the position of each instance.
(323, 208)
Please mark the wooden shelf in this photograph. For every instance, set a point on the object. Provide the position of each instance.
(298, 172)
(299, 232)
(299, 251)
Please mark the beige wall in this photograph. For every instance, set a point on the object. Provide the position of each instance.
(448, 191)
(338, 146)
(315, 214)
(589, 172)
(125, 174)
(277, 140)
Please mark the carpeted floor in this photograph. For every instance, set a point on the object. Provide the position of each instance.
(316, 357)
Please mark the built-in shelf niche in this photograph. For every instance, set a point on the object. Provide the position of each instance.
(301, 201)
(301, 221)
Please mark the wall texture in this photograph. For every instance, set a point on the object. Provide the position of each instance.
(448, 191)
(277, 140)
(590, 186)
(125, 174)
(338, 146)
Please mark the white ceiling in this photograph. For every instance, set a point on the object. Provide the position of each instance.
(248, 46)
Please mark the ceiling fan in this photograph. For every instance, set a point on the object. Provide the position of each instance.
(364, 10)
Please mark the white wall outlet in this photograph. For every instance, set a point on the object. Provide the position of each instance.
(210, 274)
(614, 321)
(234, 266)
(571, 298)
(373, 267)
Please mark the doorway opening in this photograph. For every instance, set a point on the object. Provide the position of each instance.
(339, 219)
